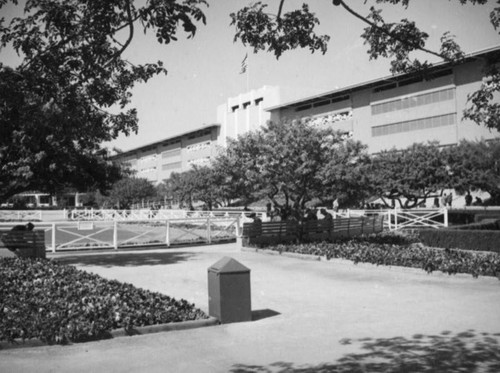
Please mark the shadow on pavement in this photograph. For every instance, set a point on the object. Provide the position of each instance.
(263, 314)
(135, 259)
(464, 352)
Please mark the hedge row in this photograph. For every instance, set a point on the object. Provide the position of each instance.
(58, 303)
(484, 225)
(412, 255)
(475, 240)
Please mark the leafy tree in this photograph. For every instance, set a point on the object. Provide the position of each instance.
(476, 166)
(232, 164)
(72, 89)
(208, 186)
(182, 186)
(259, 29)
(348, 174)
(412, 175)
(201, 183)
(128, 191)
(286, 163)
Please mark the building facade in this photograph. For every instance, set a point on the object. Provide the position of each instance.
(398, 111)
(246, 112)
(238, 115)
(157, 161)
(394, 111)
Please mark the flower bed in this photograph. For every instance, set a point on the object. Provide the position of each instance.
(58, 303)
(398, 250)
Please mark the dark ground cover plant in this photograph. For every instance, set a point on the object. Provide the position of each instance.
(58, 303)
(476, 240)
(401, 250)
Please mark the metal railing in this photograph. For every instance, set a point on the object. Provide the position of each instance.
(21, 215)
(78, 235)
(404, 218)
(149, 214)
(417, 218)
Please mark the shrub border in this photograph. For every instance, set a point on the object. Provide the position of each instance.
(347, 262)
(118, 333)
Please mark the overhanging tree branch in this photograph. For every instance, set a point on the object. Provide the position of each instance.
(388, 33)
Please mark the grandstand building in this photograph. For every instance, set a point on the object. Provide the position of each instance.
(156, 161)
(394, 111)
(397, 111)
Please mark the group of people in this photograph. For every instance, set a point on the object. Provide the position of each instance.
(312, 214)
(468, 200)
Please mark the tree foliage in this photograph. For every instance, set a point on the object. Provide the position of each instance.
(127, 191)
(421, 171)
(72, 89)
(397, 41)
(475, 165)
(290, 164)
(208, 186)
(412, 175)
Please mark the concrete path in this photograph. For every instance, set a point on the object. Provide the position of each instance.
(308, 316)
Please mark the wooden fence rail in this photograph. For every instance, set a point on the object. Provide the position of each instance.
(316, 230)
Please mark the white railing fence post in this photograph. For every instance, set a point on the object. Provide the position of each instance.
(53, 235)
(209, 231)
(115, 235)
(238, 227)
(167, 238)
(445, 214)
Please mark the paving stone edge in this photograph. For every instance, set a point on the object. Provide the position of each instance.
(185, 325)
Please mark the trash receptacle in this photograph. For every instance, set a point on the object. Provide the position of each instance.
(229, 298)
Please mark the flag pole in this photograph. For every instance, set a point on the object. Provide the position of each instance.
(245, 70)
(248, 76)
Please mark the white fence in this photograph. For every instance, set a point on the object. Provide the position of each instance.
(417, 218)
(78, 235)
(89, 229)
(397, 219)
(21, 215)
(148, 214)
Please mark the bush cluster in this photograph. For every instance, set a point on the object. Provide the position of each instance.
(483, 225)
(476, 240)
(59, 303)
(394, 250)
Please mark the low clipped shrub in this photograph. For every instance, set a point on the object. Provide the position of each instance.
(415, 255)
(58, 303)
(483, 225)
(475, 240)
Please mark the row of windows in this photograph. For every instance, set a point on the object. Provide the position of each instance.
(331, 118)
(409, 102)
(171, 153)
(147, 158)
(147, 170)
(414, 125)
(196, 147)
(171, 166)
(199, 161)
(246, 104)
(413, 80)
(323, 102)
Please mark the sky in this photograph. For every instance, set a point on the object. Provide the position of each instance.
(204, 71)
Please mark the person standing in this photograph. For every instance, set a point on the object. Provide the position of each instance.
(468, 199)
(443, 200)
(449, 199)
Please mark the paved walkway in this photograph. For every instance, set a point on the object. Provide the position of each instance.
(308, 316)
